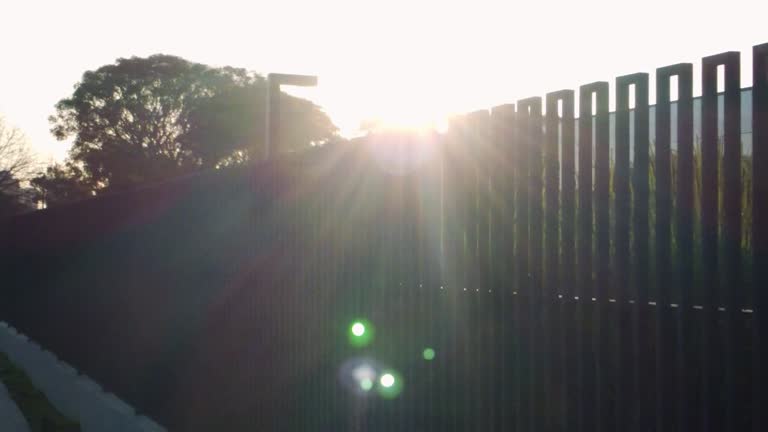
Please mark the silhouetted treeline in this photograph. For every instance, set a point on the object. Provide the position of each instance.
(143, 120)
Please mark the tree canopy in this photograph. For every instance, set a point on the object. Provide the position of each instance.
(147, 119)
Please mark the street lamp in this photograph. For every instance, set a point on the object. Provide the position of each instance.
(274, 81)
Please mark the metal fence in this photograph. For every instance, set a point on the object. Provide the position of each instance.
(555, 286)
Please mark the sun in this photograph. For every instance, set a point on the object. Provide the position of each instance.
(391, 104)
(406, 122)
(414, 114)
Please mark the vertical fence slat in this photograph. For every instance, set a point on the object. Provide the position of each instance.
(471, 164)
(478, 241)
(529, 117)
(760, 230)
(721, 389)
(686, 369)
(638, 293)
(666, 318)
(626, 328)
(670, 380)
(568, 197)
(555, 312)
(497, 165)
(602, 194)
(448, 267)
(664, 281)
(463, 187)
(640, 245)
(487, 318)
(734, 295)
(602, 290)
(550, 366)
(443, 266)
(622, 201)
(432, 224)
(535, 253)
(448, 273)
(484, 170)
(587, 315)
(469, 180)
(519, 311)
(503, 223)
(709, 217)
(568, 261)
(552, 195)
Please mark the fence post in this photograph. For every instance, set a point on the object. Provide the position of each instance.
(272, 124)
(760, 230)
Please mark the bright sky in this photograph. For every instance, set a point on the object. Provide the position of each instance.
(397, 60)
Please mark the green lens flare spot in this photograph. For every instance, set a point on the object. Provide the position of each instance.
(428, 354)
(390, 384)
(360, 333)
(366, 384)
(358, 329)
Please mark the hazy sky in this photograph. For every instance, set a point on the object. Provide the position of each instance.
(401, 61)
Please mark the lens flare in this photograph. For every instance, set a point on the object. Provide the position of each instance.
(403, 152)
(387, 380)
(360, 333)
(359, 375)
(358, 329)
(366, 384)
(428, 354)
(390, 384)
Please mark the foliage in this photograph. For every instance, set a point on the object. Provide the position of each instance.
(61, 183)
(147, 119)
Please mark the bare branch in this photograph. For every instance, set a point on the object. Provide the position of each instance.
(17, 162)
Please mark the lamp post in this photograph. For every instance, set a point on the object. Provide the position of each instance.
(274, 81)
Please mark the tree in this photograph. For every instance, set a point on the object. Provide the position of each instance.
(17, 163)
(60, 184)
(231, 124)
(17, 166)
(146, 119)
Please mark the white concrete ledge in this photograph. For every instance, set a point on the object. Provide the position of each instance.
(74, 395)
(11, 418)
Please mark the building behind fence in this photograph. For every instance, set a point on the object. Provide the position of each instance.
(560, 287)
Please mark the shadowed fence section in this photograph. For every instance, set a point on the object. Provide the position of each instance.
(512, 274)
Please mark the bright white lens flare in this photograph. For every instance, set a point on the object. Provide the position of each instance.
(387, 380)
(358, 329)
